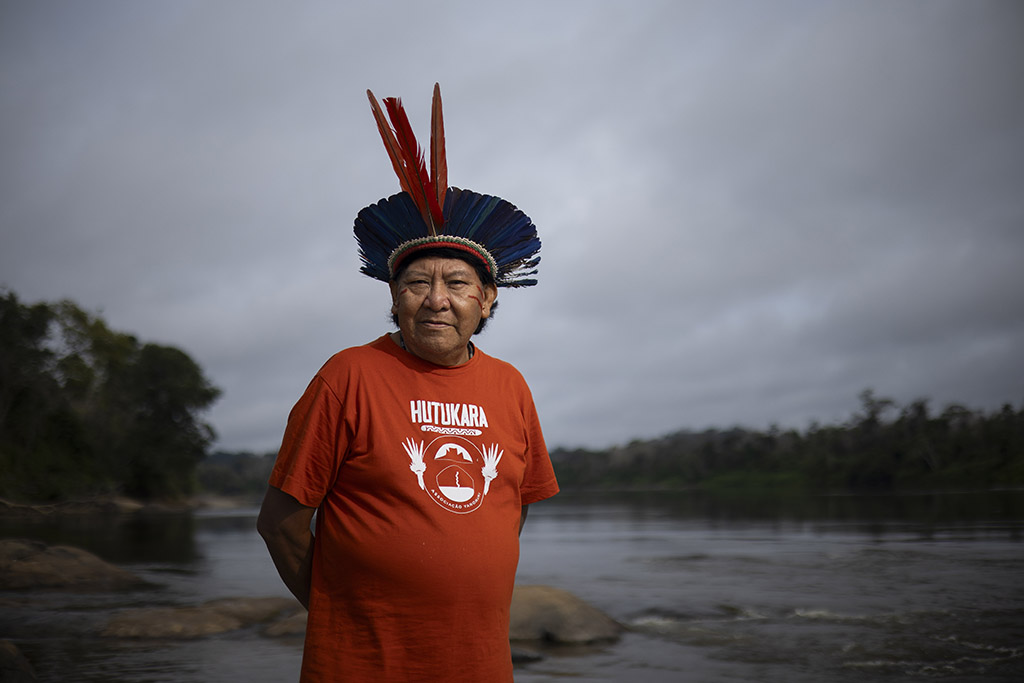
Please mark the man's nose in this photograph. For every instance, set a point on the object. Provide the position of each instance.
(437, 298)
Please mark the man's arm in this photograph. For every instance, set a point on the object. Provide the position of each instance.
(522, 518)
(284, 525)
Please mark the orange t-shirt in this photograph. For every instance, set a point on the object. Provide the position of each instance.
(419, 473)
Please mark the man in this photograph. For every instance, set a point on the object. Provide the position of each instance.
(419, 453)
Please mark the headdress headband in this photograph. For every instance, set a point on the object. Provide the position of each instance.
(428, 213)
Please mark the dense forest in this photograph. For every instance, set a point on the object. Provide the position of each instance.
(86, 410)
(882, 447)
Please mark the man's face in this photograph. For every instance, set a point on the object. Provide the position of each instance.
(439, 303)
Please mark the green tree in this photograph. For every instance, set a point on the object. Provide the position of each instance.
(166, 440)
(85, 409)
(32, 415)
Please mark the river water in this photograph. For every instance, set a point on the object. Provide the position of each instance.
(793, 590)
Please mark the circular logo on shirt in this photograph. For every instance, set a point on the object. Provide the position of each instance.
(450, 480)
(453, 471)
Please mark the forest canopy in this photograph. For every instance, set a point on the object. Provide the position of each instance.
(881, 447)
(86, 410)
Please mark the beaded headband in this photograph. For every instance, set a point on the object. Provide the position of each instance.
(429, 214)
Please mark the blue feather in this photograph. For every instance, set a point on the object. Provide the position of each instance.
(505, 231)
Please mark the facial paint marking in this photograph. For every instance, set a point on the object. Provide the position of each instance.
(478, 302)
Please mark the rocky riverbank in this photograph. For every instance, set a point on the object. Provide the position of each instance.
(540, 616)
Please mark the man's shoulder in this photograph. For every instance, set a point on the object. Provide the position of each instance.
(354, 357)
(498, 366)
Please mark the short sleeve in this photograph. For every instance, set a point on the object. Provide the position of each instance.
(313, 446)
(539, 480)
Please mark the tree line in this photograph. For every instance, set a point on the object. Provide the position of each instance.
(237, 474)
(86, 410)
(882, 447)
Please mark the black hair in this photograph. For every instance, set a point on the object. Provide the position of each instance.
(449, 252)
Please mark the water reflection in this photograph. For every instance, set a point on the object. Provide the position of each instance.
(121, 539)
(926, 514)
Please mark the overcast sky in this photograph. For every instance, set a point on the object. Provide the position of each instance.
(751, 211)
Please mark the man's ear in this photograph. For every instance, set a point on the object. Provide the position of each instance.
(490, 296)
(394, 297)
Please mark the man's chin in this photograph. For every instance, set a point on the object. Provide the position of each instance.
(437, 348)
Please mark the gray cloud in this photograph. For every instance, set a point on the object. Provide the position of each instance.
(750, 211)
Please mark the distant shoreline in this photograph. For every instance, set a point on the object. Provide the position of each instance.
(119, 505)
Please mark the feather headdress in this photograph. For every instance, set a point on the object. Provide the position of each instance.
(428, 213)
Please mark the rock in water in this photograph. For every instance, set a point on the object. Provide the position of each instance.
(543, 613)
(291, 625)
(209, 618)
(14, 668)
(170, 622)
(32, 564)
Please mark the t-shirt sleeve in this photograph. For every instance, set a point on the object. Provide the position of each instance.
(539, 478)
(313, 444)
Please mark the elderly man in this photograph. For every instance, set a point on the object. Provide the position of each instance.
(418, 451)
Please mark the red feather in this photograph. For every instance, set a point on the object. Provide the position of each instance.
(438, 158)
(422, 193)
(390, 144)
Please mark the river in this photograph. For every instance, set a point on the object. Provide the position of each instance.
(811, 589)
